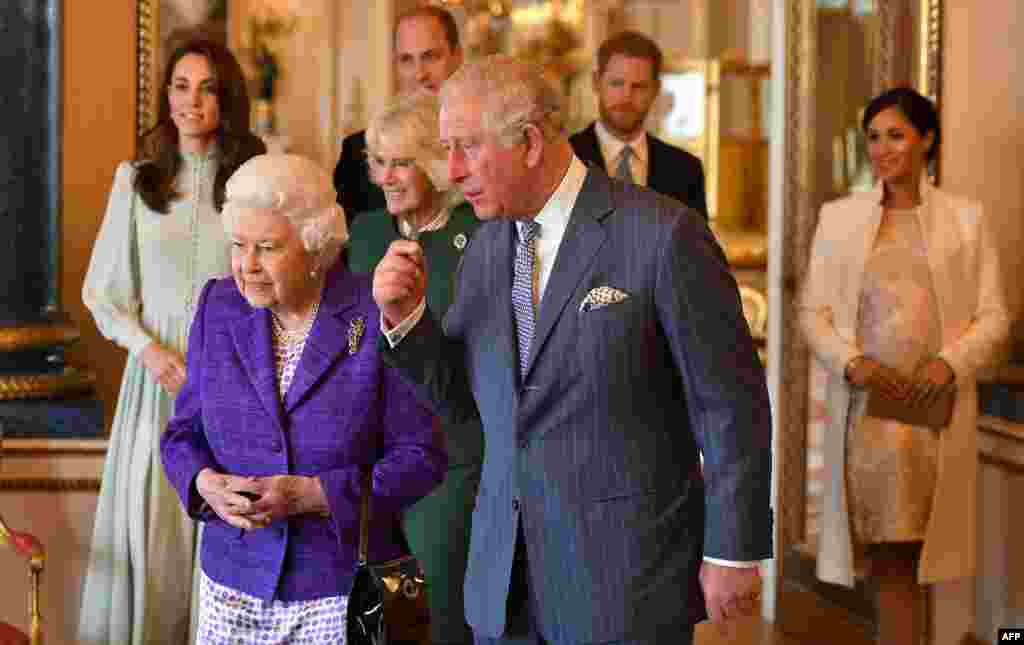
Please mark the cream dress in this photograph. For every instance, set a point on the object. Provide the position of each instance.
(964, 272)
(891, 466)
(145, 275)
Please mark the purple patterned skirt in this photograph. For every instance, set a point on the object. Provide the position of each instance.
(229, 617)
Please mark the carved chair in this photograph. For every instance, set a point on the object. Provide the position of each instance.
(29, 548)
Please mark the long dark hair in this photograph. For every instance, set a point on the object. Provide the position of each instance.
(161, 158)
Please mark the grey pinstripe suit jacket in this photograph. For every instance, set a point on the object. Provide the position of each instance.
(595, 452)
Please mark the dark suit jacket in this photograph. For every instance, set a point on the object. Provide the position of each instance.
(344, 411)
(672, 171)
(595, 452)
(356, 193)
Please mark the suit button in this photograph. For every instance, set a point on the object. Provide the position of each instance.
(515, 506)
(275, 445)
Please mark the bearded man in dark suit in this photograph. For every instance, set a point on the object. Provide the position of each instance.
(627, 82)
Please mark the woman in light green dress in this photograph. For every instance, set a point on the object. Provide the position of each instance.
(160, 241)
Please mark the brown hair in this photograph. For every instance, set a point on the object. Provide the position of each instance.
(161, 159)
(632, 44)
(451, 30)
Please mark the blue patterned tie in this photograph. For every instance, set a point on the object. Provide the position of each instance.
(522, 289)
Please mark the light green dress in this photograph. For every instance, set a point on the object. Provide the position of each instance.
(145, 275)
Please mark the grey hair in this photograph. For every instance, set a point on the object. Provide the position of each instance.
(410, 121)
(514, 94)
(296, 188)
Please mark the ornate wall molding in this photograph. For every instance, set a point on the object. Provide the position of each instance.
(884, 63)
(930, 62)
(67, 382)
(37, 336)
(48, 484)
(52, 464)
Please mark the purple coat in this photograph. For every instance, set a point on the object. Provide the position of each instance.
(345, 410)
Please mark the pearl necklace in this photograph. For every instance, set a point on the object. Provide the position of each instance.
(288, 346)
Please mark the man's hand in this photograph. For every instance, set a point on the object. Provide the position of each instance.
(400, 281)
(730, 592)
(165, 366)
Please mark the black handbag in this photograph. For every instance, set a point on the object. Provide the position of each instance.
(388, 601)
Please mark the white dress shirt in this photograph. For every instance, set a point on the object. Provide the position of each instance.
(611, 150)
(553, 219)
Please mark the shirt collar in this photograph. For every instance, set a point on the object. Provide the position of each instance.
(611, 146)
(554, 216)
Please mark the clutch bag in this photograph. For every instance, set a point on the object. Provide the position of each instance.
(935, 416)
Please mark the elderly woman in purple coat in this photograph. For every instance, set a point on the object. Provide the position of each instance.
(285, 405)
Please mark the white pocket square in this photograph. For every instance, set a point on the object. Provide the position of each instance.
(602, 297)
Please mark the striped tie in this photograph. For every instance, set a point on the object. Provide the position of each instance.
(522, 289)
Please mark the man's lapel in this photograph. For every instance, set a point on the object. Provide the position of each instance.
(503, 252)
(589, 148)
(583, 238)
(256, 352)
(658, 164)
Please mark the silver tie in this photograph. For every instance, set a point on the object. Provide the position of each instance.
(625, 169)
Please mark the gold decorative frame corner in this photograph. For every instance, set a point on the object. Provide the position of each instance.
(930, 60)
(146, 91)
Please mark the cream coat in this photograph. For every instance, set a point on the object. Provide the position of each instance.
(974, 323)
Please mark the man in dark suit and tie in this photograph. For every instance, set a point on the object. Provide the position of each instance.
(598, 334)
(427, 51)
(627, 82)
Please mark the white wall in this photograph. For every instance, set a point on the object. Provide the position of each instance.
(983, 128)
(982, 95)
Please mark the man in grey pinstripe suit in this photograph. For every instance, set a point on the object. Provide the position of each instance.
(594, 522)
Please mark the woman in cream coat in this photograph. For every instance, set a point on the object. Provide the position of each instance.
(902, 294)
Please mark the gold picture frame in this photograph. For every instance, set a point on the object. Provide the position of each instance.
(146, 93)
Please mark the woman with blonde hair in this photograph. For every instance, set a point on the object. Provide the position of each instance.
(407, 161)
